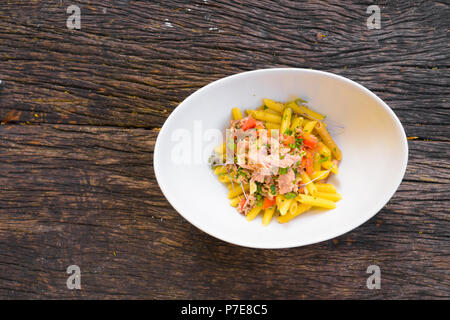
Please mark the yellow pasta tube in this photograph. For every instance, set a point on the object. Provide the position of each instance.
(286, 120)
(224, 178)
(276, 106)
(268, 214)
(309, 186)
(323, 150)
(262, 107)
(221, 149)
(328, 141)
(219, 170)
(272, 111)
(316, 164)
(264, 116)
(235, 201)
(237, 114)
(325, 187)
(253, 213)
(320, 175)
(270, 125)
(328, 164)
(309, 126)
(304, 110)
(284, 205)
(316, 201)
(278, 200)
(288, 217)
(297, 122)
(329, 196)
(293, 207)
(237, 191)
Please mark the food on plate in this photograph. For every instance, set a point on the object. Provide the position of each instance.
(276, 161)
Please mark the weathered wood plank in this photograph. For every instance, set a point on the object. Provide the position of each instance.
(84, 192)
(132, 62)
(87, 195)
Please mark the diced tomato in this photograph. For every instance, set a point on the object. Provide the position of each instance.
(248, 124)
(310, 141)
(268, 203)
(309, 163)
(288, 140)
(241, 204)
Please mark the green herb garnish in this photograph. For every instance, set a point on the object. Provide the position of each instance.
(283, 170)
(323, 160)
(288, 132)
(290, 195)
(273, 190)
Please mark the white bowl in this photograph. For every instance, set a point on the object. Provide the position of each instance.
(373, 143)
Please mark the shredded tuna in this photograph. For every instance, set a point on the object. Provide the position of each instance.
(286, 182)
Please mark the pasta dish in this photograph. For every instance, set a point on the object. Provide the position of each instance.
(276, 160)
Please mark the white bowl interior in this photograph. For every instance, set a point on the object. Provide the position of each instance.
(373, 144)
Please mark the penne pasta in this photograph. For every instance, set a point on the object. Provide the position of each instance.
(286, 120)
(270, 125)
(235, 201)
(268, 214)
(316, 201)
(323, 150)
(304, 110)
(237, 191)
(316, 162)
(329, 164)
(310, 186)
(325, 187)
(297, 122)
(329, 196)
(276, 106)
(264, 116)
(328, 141)
(221, 149)
(320, 175)
(309, 126)
(284, 206)
(224, 178)
(219, 170)
(272, 111)
(301, 208)
(236, 113)
(293, 207)
(253, 213)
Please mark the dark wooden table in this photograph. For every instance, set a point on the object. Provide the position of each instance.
(80, 114)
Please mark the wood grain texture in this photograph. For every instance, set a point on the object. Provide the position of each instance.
(76, 174)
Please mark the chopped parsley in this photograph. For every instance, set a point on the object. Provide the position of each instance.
(290, 195)
(323, 159)
(283, 170)
(258, 187)
(273, 190)
(240, 172)
(288, 132)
